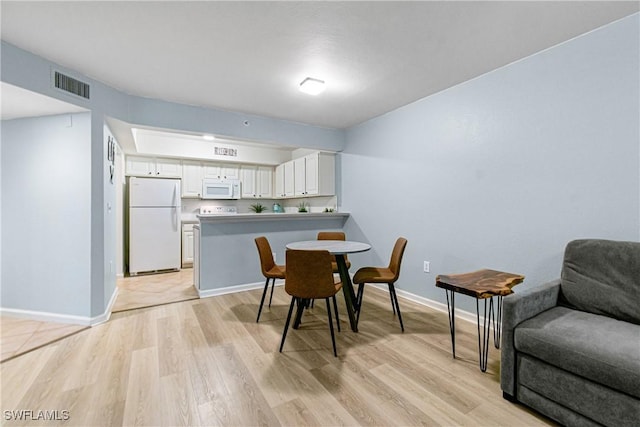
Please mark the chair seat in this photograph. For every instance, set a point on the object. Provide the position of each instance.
(373, 275)
(276, 272)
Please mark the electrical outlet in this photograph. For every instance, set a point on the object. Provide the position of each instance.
(426, 267)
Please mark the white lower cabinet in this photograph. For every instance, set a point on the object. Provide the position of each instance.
(188, 245)
(196, 256)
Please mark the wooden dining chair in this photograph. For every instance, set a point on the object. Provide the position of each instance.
(270, 270)
(388, 275)
(309, 276)
(334, 235)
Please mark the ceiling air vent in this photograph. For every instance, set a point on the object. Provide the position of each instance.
(71, 85)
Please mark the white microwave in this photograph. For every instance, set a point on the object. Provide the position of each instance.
(220, 189)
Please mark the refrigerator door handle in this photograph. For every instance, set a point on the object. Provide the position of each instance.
(175, 218)
(175, 193)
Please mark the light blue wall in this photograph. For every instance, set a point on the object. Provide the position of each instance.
(109, 229)
(502, 171)
(23, 69)
(229, 254)
(46, 214)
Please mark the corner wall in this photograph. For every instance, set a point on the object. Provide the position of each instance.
(46, 215)
(502, 171)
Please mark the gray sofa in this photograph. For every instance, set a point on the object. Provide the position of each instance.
(571, 347)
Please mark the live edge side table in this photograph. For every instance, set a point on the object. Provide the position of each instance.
(481, 284)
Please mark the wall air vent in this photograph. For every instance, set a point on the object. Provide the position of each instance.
(71, 85)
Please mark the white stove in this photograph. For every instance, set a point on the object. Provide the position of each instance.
(218, 210)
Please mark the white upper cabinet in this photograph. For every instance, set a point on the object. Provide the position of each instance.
(211, 170)
(248, 181)
(170, 168)
(264, 181)
(149, 166)
(315, 175)
(192, 174)
(284, 185)
(257, 181)
(221, 171)
(299, 187)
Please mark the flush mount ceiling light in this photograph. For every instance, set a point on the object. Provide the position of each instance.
(208, 137)
(312, 86)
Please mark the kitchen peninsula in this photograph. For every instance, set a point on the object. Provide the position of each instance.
(225, 256)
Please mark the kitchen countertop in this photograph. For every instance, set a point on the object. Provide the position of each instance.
(242, 217)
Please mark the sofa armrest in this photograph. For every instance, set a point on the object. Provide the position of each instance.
(517, 308)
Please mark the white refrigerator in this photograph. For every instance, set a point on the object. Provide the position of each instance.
(154, 224)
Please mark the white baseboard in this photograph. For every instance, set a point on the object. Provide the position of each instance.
(460, 314)
(206, 293)
(44, 316)
(107, 313)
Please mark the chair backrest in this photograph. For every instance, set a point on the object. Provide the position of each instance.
(266, 256)
(309, 274)
(331, 235)
(396, 257)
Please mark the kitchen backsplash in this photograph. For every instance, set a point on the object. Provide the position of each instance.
(314, 204)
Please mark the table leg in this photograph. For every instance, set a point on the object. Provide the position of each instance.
(347, 290)
(483, 341)
(451, 309)
(497, 323)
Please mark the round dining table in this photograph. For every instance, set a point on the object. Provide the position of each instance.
(339, 248)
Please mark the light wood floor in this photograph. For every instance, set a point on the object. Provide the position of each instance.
(206, 362)
(19, 336)
(154, 289)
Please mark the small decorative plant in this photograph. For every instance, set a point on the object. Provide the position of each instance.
(302, 207)
(258, 208)
(328, 209)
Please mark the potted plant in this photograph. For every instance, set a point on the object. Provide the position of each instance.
(257, 208)
(302, 207)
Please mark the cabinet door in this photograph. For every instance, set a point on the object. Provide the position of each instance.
(191, 179)
(299, 171)
(311, 174)
(196, 257)
(187, 247)
(212, 170)
(288, 179)
(168, 168)
(264, 182)
(140, 166)
(230, 171)
(279, 180)
(248, 182)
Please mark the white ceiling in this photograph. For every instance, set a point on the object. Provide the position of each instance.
(251, 56)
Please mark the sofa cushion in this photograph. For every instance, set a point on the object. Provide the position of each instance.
(603, 277)
(596, 347)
